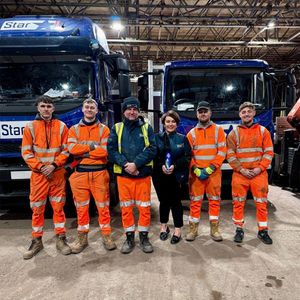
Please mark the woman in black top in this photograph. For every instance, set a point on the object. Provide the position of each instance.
(171, 177)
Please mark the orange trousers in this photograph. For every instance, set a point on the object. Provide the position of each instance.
(259, 188)
(40, 189)
(83, 184)
(212, 188)
(135, 191)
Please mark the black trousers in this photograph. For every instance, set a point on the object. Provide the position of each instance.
(168, 192)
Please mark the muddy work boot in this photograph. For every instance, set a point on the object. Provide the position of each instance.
(108, 242)
(264, 237)
(61, 244)
(35, 247)
(214, 232)
(129, 243)
(239, 235)
(80, 243)
(193, 231)
(144, 242)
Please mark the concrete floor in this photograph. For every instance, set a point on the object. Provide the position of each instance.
(199, 270)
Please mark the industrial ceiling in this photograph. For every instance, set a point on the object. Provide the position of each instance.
(180, 29)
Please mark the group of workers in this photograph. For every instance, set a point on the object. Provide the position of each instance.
(172, 159)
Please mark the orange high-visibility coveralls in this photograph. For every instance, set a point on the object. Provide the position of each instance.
(250, 147)
(45, 143)
(208, 149)
(91, 175)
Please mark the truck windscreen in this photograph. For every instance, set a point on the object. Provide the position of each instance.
(224, 89)
(65, 82)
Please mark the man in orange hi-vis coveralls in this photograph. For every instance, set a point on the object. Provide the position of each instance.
(250, 153)
(44, 149)
(87, 141)
(208, 144)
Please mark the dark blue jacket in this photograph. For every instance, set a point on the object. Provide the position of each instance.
(132, 147)
(179, 147)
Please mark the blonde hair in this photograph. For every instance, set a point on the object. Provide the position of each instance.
(90, 100)
(246, 104)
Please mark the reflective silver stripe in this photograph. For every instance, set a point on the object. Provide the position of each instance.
(57, 199)
(45, 150)
(76, 128)
(240, 199)
(37, 229)
(236, 132)
(126, 203)
(193, 134)
(210, 197)
(143, 203)
(250, 159)
(101, 131)
(223, 144)
(262, 130)
(213, 218)
(196, 198)
(204, 157)
(103, 147)
(61, 129)
(83, 227)
(268, 149)
(216, 135)
(104, 226)
(247, 150)
(38, 203)
(267, 156)
(30, 126)
(81, 203)
(230, 151)
(221, 153)
(47, 159)
(25, 157)
(102, 204)
(231, 159)
(59, 225)
(143, 228)
(71, 146)
(64, 146)
(194, 220)
(65, 153)
(260, 200)
(88, 142)
(263, 224)
(199, 147)
(28, 147)
(72, 140)
(104, 140)
(131, 228)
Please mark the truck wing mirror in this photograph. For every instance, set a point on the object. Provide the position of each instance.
(124, 85)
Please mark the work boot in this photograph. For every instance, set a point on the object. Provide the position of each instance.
(35, 247)
(144, 242)
(80, 243)
(193, 231)
(108, 242)
(264, 237)
(239, 235)
(129, 243)
(214, 232)
(61, 244)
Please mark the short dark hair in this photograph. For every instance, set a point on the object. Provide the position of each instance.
(246, 104)
(44, 99)
(171, 113)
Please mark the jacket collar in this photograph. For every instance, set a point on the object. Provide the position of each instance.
(39, 118)
(199, 125)
(82, 123)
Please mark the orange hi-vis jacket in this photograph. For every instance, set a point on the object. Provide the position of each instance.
(82, 136)
(45, 143)
(208, 145)
(249, 147)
